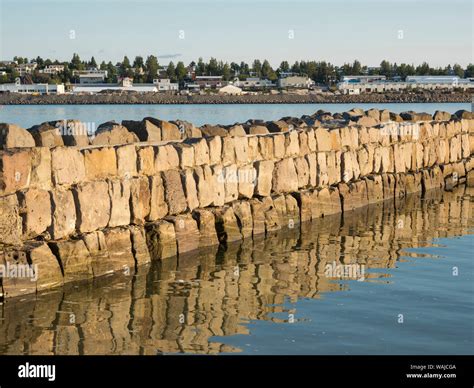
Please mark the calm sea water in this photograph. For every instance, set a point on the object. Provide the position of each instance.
(387, 279)
(29, 115)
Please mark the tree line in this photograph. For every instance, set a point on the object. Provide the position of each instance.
(145, 70)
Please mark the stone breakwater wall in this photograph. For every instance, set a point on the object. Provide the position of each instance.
(78, 212)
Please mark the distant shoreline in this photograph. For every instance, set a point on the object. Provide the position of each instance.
(167, 99)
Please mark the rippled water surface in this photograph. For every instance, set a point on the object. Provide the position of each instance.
(395, 278)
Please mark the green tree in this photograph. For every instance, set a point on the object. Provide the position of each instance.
(469, 71)
(284, 67)
(93, 63)
(76, 63)
(257, 67)
(171, 71)
(151, 65)
(458, 70)
(180, 71)
(212, 67)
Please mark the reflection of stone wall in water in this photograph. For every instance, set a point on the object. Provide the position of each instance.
(177, 305)
(79, 208)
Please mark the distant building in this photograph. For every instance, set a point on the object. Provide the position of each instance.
(191, 87)
(32, 88)
(125, 85)
(94, 77)
(363, 78)
(26, 68)
(165, 85)
(209, 81)
(434, 79)
(230, 90)
(420, 82)
(295, 81)
(52, 69)
(254, 83)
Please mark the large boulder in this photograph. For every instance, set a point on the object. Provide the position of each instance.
(46, 135)
(145, 129)
(13, 136)
(111, 133)
(440, 115)
(213, 130)
(73, 132)
(464, 114)
(187, 129)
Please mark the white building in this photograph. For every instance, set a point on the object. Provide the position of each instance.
(125, 85)
(230, 90)
(434, 79)
(419, 82)
(254, 83)
(165, 85)
(295, 81)
(26, 68)
(363, 78)
(32, 88)
(52, 69)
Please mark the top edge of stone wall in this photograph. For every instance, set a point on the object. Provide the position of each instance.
(152, 131)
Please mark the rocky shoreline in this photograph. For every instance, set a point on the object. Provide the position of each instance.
(77, 207)
(160, 98)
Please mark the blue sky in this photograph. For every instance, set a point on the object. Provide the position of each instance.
(439, 32)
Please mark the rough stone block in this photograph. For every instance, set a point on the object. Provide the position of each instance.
(64, 214)
(140, 199)
(93, 205)
(15, 171)
(100, 163)
(174, 193)
(119, 192)
(67, 165)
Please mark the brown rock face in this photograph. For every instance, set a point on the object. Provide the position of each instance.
(73, 132)
(174, 193)
(35, 208)
(113, 134)
(285, 178)
(75, 258)
(213, 130)
(13, 136)
(49, 273)
(119, 192)
(161, 240)
(258, 130)
(187, 232)
(41, 168)
(145, 130)
(10, 220)
(46, 135)
(15, 171)
(64, 214)
(207, 228)
(100, 163)
(140, 199)
(93, 203)
(227, 227)
(67, 166)
(158, 205)
(441, 116)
